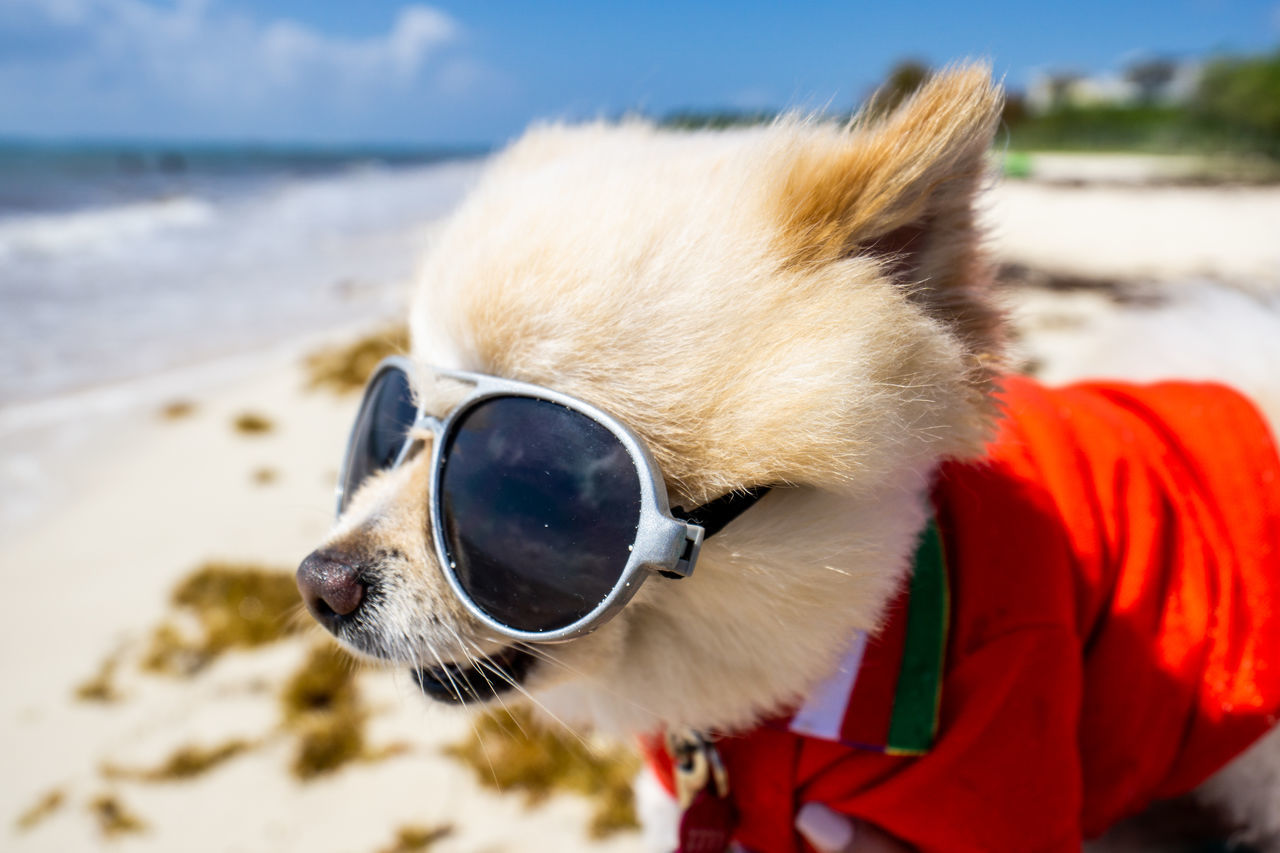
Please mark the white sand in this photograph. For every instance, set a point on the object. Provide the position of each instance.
(1159, 232)
(94, 577)
(139, 510)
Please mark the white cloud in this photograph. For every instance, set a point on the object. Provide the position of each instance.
(418, 30)
(289, 50)
(110, 54)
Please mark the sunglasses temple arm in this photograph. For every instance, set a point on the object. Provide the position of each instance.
(715, 516)
(692, 544)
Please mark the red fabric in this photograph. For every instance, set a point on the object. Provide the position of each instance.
(877, 682)
(1115, 630)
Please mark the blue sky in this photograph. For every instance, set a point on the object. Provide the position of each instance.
(341, 71)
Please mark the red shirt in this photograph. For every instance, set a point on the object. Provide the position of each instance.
(1113, 637)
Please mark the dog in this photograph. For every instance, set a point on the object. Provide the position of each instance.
(807, 308)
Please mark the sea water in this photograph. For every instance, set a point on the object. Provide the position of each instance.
(120, 262)
(130, 275)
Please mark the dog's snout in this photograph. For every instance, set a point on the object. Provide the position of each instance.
(331, 586)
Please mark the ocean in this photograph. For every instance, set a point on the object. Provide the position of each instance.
(121, 261)
(135, 275)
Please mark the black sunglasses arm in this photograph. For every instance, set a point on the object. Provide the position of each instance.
(716, 515)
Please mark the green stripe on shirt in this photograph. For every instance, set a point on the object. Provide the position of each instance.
(919, 691)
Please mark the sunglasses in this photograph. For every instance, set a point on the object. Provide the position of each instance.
(546, 513)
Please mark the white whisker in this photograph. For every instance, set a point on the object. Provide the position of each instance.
(478, 663)
(484, 750)
(496, 670)
(453, 685)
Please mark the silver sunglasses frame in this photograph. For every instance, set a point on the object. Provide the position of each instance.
(663, 543)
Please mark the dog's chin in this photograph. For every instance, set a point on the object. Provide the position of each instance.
(474, 681)
(477, 681)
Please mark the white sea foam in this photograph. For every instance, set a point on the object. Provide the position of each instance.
(106, 294)
(109, 229)
(113, 310)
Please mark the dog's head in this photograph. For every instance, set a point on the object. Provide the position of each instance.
(798, 305)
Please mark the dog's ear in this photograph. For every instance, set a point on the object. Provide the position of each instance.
(891, 181)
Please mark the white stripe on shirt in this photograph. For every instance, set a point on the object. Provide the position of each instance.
(823, 715)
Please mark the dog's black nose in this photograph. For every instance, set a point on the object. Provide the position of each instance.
(331, 587)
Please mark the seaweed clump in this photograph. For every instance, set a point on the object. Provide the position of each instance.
(322, 707)
(345, 368)
(252, 423)
(41, 809)
(509, 751)
(113, 817)
(177, 409)
(410, 839)
(187, 762)
(235, 605)
(101, 686)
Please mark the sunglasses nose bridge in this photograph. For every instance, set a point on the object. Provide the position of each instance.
(429, 422)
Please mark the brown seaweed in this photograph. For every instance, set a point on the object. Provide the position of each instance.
(322, 707)
(234, 605)
(509, 750)
(410, 839)
(252, 423)
(101, 686)
(186, 762)
(177, 409)
(113, 817)
(41, 809)
(346, 367)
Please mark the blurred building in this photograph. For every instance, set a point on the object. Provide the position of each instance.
(1162, 82)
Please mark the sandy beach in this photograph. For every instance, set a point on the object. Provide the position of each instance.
(242, 472)
(167, 496)
(1225, 234)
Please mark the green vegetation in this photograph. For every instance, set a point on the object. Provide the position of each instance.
(902, 82)
(509, 751)
(715, 119)
(1235, 110)
(1239, 99)
(1155, 129)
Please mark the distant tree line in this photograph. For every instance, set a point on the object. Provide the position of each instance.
(1240, 99)
(1234, 108)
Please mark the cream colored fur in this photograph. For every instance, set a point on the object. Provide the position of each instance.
(800, 304)
(662, 277)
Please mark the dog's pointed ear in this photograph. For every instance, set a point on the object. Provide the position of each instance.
(890, 180)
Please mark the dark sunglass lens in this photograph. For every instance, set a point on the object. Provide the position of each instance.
(539, 505)
(386, 415)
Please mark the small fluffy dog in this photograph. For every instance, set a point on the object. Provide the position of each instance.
(971, 613)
